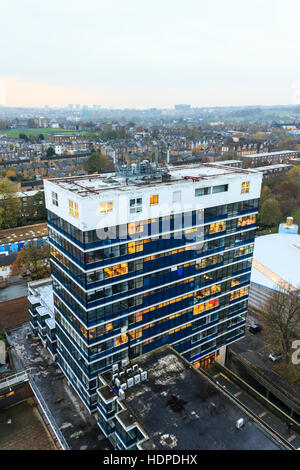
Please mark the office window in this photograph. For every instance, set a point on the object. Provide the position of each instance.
(245, 187)
(202, 191)
(119, 340)
(54, 199)
(106, 207)
(154, 200)
(135, 247)
(222, 188)
(135, 227)
(239, 293)
(117, 270)
(73, 209)
(198, 309)
(211, 304)
(135, 205)
(217, 227)
(176, 196)
(248, 220)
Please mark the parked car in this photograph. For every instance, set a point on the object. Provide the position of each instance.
(275, 356)
(254, 328)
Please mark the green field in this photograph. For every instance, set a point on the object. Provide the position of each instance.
(16, 132)
(296, 214)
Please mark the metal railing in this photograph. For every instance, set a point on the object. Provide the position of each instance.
(284, 442)
(14, 379)
(48, 415)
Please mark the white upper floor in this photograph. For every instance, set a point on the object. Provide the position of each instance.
(100, 201)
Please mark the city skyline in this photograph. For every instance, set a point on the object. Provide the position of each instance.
(129, 55)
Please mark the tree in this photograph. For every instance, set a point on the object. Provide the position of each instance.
(286, 142)
(23, 137)
(98, 162)
(50, 152)
(41, 137)
(270, 214)
(11, 174)
(35, 208)
(32, 263)
(282, 316)
(10, 204)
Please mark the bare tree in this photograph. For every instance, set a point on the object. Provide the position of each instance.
(282, 317)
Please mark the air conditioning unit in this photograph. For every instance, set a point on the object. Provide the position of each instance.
(128, 371)
(115, 367)
(137, 379)
(144, 375)
(124, 362)
(121, 394)
(117, 382)
(121, 374)
(130, 382)
(135, 367)
(240, 423)
(124, 386)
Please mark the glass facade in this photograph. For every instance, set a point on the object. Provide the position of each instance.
(180, 280)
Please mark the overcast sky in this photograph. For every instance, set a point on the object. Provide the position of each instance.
(138, 53)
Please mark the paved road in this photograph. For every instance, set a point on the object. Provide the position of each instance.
(70, 414)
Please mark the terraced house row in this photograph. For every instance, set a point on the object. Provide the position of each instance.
(140, 262)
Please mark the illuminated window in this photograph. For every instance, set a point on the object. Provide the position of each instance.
(198, 309)
(122, 339)
(106, 207)
(73, 209)
(135, 227)
(235, 282)
(245, 187)
(154, 200)
(108, 327)
(211, 304)
(117, 270)
(135, 247)
(239, 293)
(249, 220)
(135, 205)
(54, 199)
(202, 264)
(76, 210)
(217, 227)
(243, 251)
(136, 333)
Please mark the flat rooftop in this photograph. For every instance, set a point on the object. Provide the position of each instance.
(271, 154)
(42, 292)
(17, 234)
(179, 409)
(27, 430)
(285, 265)
(14, 291)
(273, 167)
(92, 185)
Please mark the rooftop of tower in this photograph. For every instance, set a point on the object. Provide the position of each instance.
(95, 184)
(176, 408)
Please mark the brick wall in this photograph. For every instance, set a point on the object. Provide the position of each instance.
(13, 312)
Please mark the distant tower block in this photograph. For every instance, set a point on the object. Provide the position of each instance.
(288, 226)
